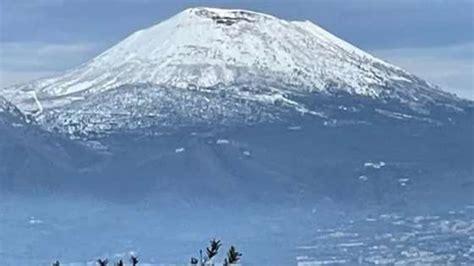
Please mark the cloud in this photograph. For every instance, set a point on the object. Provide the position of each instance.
(44, 56)
(8, 78)
(21, 62)
(450, 67)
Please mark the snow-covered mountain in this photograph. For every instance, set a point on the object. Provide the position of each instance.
(207, 65)
(240, 125)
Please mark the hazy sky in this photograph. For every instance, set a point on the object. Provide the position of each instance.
(431, 38)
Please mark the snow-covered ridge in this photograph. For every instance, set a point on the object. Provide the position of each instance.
(205, 47)
(9, 113)
(208, 65)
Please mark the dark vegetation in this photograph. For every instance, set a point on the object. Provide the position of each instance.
(101, 262)
(233, 256)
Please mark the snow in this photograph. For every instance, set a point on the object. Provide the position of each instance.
(294, 128)
(196, 48)
(34, 221)
(10, 112)
(205, 64)
(179, 150)
(40, 107)
(222, 141)
(374, 165)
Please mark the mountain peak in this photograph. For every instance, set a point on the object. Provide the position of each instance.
(216, 13)
(250, 58)
(205, 47)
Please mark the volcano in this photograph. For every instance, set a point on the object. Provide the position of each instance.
(215, 110)
(207, 66)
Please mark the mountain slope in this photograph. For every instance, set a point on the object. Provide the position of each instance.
(10, 115)
(203, 59)
(31, 157)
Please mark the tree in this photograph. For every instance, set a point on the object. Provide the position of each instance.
(233, 256)
(213, 248)
(194, 261)
(134, 260)
(102, 262)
